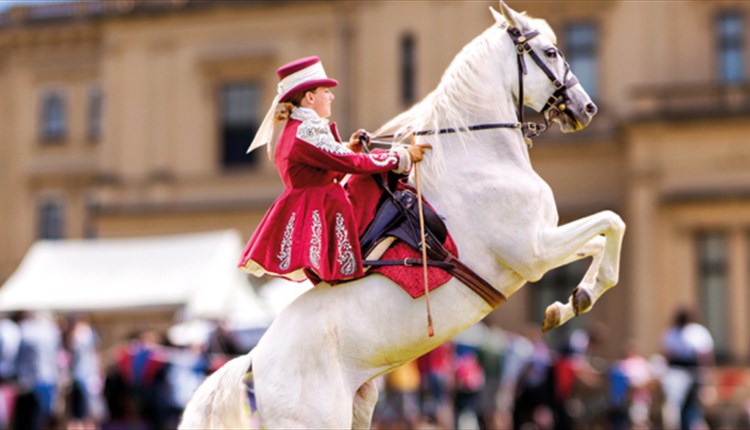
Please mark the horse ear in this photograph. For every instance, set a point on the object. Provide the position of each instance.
(511, 17)
(500, 19)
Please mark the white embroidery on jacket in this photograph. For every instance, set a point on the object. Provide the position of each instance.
(317, 227)
(285, 254)
(384, 158)
(346, 258)
(317, 132)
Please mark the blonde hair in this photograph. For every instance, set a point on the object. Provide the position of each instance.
(285, 109)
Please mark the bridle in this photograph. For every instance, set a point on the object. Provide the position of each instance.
(558, 102)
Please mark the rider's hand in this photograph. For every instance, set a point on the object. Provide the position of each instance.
(416, 151)
(359, 139)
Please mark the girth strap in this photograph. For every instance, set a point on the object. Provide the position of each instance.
(457, 269)
(486, 291)
(408, 262)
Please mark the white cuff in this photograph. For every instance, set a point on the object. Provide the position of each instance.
(404, 162)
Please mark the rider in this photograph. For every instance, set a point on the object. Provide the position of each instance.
(311, 230)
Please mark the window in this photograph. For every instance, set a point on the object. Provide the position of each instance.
(408, 69)
(240, 118)
(94, 114)
(51, 223)
(580, 50)
(731, 58)
(712, 283)
(53, 117)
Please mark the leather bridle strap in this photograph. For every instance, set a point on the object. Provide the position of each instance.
(558, 100)
(450, 130)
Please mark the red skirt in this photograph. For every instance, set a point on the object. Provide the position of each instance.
(307, 233)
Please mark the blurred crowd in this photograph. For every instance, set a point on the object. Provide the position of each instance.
(488, 378)
(51, 376)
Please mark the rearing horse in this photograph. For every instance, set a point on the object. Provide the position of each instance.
(315, 365)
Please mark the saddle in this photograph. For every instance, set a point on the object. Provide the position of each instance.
(397, 218)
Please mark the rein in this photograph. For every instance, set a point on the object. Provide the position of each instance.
(557, 101)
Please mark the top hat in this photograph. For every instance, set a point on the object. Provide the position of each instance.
(302, 75)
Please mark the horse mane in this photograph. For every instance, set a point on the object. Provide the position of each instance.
(460, 96)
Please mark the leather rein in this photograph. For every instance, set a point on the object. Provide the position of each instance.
(558, 101)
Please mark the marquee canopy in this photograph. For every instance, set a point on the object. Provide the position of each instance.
(194, 272)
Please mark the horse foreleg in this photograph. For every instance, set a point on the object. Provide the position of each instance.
(560, 245)
(557, 313)
(364, 405)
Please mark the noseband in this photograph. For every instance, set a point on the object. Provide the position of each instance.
(558, 101)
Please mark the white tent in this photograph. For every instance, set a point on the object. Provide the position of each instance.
(192, 272)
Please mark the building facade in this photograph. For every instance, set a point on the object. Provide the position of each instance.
(131, 118)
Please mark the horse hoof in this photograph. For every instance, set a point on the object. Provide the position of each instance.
(551, 318)
(581, 301)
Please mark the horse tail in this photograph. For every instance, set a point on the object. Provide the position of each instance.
(221, 401)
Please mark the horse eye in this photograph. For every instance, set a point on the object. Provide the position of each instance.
(551, 53)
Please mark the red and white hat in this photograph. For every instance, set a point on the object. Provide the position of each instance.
(299, 75)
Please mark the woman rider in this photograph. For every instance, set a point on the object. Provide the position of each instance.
(311, 230)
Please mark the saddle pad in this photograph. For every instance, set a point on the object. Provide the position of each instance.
(411, 278)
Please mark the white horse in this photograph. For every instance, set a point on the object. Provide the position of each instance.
(315, 365)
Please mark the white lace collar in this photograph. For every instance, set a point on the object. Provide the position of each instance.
(306, 114)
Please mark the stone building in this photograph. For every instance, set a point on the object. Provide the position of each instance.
(130, 118)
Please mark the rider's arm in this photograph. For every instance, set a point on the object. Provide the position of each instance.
(322, 151)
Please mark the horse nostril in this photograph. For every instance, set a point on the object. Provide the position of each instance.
(591, 108)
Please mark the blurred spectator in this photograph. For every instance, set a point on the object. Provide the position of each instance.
(571, 368)
(631, 385)
(688, 347)
(534, 391)
(436, 370)
(402, 397)
(187, 369)
(618, 397)
(222, 341)
(469, 382)
(491, 355)
(85, 402)
(641, 380)
(517, 353)
(139, 384)
(37, 371)
(10, 339)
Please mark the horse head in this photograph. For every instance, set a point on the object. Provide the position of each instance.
(546, 84)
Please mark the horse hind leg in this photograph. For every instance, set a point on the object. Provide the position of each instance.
(364, 405)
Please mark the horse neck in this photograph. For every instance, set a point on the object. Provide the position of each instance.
(480, 83)
(478, 87)
(461, 171)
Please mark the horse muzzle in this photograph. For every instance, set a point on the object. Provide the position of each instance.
(571, 118)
